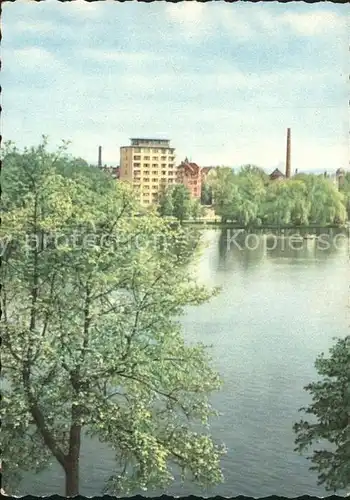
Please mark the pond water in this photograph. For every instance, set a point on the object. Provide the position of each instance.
(281, 305)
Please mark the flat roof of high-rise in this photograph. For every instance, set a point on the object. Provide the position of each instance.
(147, 139)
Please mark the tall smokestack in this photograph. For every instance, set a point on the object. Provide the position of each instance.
(100, 156)
(288, 154)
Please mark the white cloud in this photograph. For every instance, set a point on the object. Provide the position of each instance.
(120, 56)
(34, 26)
(190, 17)
(250, 20)
(313, 23)
(87, 9)
(31, 58)
(186, 12)
(211, 100)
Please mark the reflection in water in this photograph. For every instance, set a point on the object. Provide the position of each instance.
(248, 249)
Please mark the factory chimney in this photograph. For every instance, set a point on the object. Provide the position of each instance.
(288, 154)
(99, 157)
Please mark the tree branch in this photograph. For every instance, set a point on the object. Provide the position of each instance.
(39, 418)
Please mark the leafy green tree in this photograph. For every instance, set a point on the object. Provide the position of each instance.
(238, 197)
(286, 203)
(278, 206)
(224, 192)
(251, 195)
(345, 190)
(181, 199)
(254, 170)
(300, 203)
(166, 207)
(330, 409)
(327, 204)
(91, 344)
(197, 210)
(303, 200)
(206, 194)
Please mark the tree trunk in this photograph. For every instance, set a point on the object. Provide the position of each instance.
(72, 478)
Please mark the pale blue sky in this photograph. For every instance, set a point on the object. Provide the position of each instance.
(222, 81)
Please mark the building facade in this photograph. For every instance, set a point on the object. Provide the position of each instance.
(189, 174)
(149, 165)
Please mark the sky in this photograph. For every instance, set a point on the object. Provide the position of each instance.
(221, 81)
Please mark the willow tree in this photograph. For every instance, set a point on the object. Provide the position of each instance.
(287, 202)
(92, 345)
(345, 190)
(327, 204)
(255, 171)
(224, 192)
(327, 431)
(252, 192)
(277, 206)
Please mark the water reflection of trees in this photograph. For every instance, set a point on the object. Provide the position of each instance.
(248, 249)
(244, 248)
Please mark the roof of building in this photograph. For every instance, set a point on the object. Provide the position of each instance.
(192, 167)
(276, 173)
(153, 139)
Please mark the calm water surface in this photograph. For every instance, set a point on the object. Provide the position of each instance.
(279, 308)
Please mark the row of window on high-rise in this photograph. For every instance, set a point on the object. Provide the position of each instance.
(150, 150)
(154, 165)
(154, 172)
(154, 158)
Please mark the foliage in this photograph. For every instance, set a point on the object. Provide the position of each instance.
(166, 207)
(331, 408)
(176, 201)
(196, 209)
(224, 192)
(249, 198)
(286, 203)
(251, 194)
(181, 198)
(345, 190)
(254, 170)
(326, 202)
(206, 194)
(92, 346)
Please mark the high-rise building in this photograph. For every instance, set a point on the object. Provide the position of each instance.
(149, 165)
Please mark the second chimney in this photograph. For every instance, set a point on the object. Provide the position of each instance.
(100, 156)
(288, 154)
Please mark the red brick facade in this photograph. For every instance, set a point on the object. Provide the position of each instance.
(190, 175)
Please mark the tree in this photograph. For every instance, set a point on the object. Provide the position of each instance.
(300, 203)
(238, 197)
(286, 202)
(224, 192)
(206, 194)
(251, 191)
(254, 170)
(166, 207)
(327, 204)
(345, 190)
(330, 408)
(197, 210)
(91, 295)
(181, 199)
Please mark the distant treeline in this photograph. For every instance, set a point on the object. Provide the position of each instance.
(249, 197)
